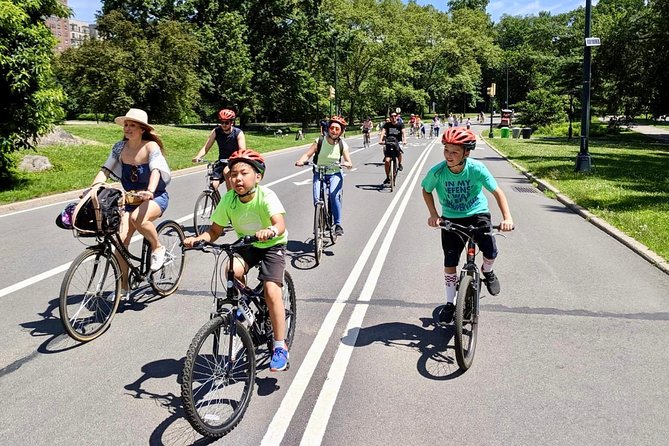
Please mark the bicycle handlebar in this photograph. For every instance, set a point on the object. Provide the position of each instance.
(322, 166)
(447, 225)
(240, 243)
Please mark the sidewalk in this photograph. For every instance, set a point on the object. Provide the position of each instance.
(658, 133)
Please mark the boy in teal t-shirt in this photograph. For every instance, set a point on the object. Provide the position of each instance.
(256, 210)
(459, 182)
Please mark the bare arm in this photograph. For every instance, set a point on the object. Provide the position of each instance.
(308, 154)
(382, 136)
(277, 228)
(347, 159)
(241, 140)
(205, 148)
(433, 219)
(507, 221)
(214, 232)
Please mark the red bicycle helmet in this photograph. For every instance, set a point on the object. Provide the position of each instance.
(248, 156)
(226, 115)
(459, 136)
(339, 120)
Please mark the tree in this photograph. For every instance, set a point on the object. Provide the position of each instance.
(541, 108)
(30, 97)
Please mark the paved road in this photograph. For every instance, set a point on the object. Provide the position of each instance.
(574, 349)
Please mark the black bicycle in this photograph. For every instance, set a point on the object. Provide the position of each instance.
(366, 138)
(208, 199)
(324, 224)
(468, 294)
(91, 290)
(219, 373)
(392, 151)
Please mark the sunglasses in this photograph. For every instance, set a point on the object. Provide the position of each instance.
(333, 127)
(226, 122)
(133, 174)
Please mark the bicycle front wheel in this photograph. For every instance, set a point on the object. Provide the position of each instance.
(204, 207)
(466, 323)
(319, 225)
(393, 173)
(90, 294)
(166, 280)
(218, 377)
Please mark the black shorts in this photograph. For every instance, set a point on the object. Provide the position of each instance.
(272, 262)
(452, 242)
(390, 150)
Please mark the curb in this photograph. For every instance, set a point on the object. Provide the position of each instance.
(636, 246)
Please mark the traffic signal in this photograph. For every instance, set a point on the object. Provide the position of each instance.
(488, 91)
(492, 89)
(331, 92)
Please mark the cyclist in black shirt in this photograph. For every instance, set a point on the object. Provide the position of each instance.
(395, 130)
(229, 139)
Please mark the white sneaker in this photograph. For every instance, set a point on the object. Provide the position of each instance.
(125, 295)
(157, 258)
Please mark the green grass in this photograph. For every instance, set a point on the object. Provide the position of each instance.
(628, 186)
(75, 166)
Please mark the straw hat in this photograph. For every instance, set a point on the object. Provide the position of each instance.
(134, 114)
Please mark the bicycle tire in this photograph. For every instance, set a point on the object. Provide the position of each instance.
(208, 376)
(88, 311)
(395, 170)
(392, 174)
(204, 206)
(466, 323)
(331, 224)
(319, 224)
(166, 280)
(290, 308)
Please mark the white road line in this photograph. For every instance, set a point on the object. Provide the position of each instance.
(277, 428)
(320, 415)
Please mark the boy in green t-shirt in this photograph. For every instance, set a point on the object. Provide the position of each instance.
(255, 210)
(459, 183)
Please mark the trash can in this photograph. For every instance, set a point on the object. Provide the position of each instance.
(504, 132)
(516, 132)
(526, 132)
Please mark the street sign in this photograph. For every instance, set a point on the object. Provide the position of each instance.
(592, 41)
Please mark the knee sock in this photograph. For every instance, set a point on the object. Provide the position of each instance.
(487, 265)
(451, 280)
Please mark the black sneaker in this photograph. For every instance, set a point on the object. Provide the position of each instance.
(386, 182)
(492, 283)
(400, 168)
(339, 231)
(446, 313)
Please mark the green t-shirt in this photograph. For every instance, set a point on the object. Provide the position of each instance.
(461, 195)
(248, 218)
(331, 154)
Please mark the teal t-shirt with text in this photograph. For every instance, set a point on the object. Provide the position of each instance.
(248, 218)
(460, 194)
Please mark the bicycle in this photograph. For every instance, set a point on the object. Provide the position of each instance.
(468, 294)
(393, 150)
(323, 217)
(365, 139)
(219, 372)
(208, 199)
(91, 290)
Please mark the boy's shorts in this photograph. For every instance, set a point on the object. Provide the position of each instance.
(272, 262)
(452, 242)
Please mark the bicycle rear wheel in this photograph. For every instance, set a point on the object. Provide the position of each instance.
(290, 307)
(392, 174)
(90, 294)
(204, 206)
(166, 280)
(319, 230)
(218, 377)
(466, 323)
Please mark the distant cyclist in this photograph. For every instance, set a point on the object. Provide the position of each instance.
(229, 139)
(330, 149)
(394, 130)
(367, 127)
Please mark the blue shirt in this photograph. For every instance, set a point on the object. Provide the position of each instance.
(460, 194)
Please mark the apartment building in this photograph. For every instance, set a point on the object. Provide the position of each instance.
(70, 33)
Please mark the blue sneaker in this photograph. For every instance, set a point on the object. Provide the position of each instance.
(279, 360)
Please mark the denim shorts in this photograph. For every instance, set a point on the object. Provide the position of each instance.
(162, 200)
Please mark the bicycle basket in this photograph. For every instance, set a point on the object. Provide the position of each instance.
(99, 212)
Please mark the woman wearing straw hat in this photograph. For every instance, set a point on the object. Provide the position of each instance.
(138, 162)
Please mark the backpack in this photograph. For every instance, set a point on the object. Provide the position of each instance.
(319, 144)
(98, 212)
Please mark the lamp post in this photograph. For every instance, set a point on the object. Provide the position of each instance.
(334, 42)
(583, 160)
(507, 84)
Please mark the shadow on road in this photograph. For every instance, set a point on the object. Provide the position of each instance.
(437, 357)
